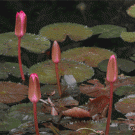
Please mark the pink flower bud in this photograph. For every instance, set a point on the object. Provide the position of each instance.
(56, 54)
(112, 69)
(20, 25)
(34, 93)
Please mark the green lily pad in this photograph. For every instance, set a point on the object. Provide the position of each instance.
(11, 68)
(12, 92)
(126, 104)
(125, 90)
(133, 57)
(108, 31)
(131, 11)
(123, 64)
(59, 31)
(9, 123)
(128, 36)
(31, 42)
(24, 112)
(89, 55)
(46, 71)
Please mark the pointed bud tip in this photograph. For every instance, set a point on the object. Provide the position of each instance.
(20, 24)
(34, 93)
(56, 53)
(112, 69)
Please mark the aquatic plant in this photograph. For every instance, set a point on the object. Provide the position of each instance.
(20, 30)
(34, 95)
(88, 55)
(112, 74)
(59, 31)
(56, 56)
(12, 92)
(46, 71)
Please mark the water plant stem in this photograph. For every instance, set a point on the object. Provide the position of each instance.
(19, 59)
(35, 118)
(110, 109)
(58, 81)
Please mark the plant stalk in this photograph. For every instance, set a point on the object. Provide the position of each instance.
(110, 109)
(19, 59)
(58, 81)
(35, 118)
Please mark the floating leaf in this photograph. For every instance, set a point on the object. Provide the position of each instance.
(123, 64)
(128, 36)
(24, 112)
(59, 31)
(12, 92)
(31, 42)
(11, 68)
(46, 71)
(125, 90)
(131, 11)
(108, 31)
(99, 89)
(89, 55)
(86, 124)
(126, 104)
(9, 123)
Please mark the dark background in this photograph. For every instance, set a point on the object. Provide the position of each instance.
(41, 13)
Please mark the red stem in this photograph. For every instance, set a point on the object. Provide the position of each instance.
(35, 118)
(110, 109)
(58, 81)
(19, 58)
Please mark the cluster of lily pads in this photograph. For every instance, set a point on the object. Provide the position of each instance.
(79, 62)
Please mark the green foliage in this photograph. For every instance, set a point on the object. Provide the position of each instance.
(128, 36)
(131, 11)
(108, 31)
(11, 68)
(34, 43)
(125, 90)
(89, 55)
(46, 71)
(123, 64)
(59, 31)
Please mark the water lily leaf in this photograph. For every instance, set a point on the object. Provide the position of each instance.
(12, 92)
(9, 123)
(24, 112)
(59, 31)
(89, 55)
(131, 11)
(126, 104)
(31, 42)
(108, 31)
(123, 64)
(125, 90)
(87, 124)
(128, 36)
(46, 71)
(98, 89)
(11, 68)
